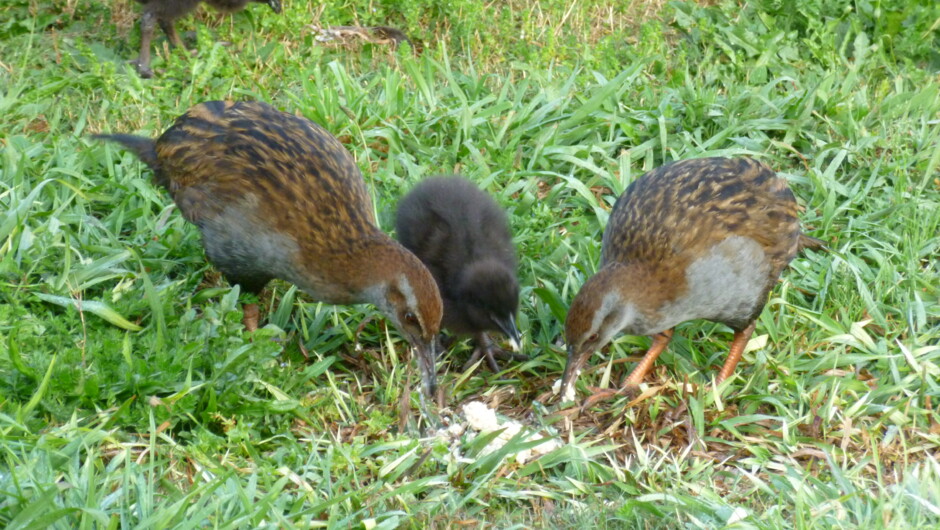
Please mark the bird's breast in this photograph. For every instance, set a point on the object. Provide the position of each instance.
(242, 245)
(725, 284)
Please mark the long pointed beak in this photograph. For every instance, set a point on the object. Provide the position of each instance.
(508, 326)
(572, 369)
(426, 354)
(275, 5)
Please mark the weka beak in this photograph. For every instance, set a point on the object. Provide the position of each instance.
(572, 368)
(508, 326)
(426, 353)
(275, 5)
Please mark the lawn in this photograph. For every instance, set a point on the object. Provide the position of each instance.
(132, 397)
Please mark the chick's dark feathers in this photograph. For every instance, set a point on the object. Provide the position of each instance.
(463, 237)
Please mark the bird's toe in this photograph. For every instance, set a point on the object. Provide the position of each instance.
(504, 355)
(492, 354)
(475, 357)
(142, 69)
(632, 391)
(598, 395)
(491, 360)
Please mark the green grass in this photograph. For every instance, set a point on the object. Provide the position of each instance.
(131, 397)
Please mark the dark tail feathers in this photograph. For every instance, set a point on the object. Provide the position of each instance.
(808, 242)
(144, 148)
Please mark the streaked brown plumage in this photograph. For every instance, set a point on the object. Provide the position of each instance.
(165, 12)
(277, 196)
(702, 238)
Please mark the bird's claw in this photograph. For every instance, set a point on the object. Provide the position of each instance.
(492, 353)
(603, 394)
(143, 70)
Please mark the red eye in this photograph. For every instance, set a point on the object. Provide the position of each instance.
(592, 338)
(411, 318)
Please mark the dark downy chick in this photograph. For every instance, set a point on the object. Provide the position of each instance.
(703, 238)
(165, 12)
(277, 196)
(463, 237)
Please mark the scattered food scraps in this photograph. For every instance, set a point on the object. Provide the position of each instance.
(479, 417)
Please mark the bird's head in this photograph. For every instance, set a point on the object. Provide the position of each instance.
(407, 295)
(598, 313)
(489, 292)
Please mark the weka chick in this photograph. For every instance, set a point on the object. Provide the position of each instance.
(277, 196)
(165, 13)
(463, 237)
(703, 238)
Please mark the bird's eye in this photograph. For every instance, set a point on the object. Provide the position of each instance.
(592, 338)
(411, 318)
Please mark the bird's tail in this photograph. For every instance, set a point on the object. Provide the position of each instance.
(143, 147)
(809, 242)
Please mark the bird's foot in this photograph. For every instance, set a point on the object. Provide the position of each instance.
(491, 353)
(600, 395)
(143, 70)
(250, 317)
(446, 341)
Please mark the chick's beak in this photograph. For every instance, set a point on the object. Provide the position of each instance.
(275, 5)
(572, 368)
(508, 326)
(426, 353)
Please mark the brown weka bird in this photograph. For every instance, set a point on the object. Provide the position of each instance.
(277, 196)
(703, 238)
(463, 237)
(165, 13)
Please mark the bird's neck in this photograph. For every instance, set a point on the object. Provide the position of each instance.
(648, 290)
(628, 281)
(359, 273)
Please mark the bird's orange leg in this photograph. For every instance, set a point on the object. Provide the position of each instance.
(660, 341)
(250, 316)
(737, 350)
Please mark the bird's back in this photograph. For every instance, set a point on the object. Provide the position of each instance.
(288, 170)
(703, 238)
(448, 222)
(681, 210)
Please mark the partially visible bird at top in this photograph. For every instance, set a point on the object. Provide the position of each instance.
(463, 237)
(277, 196)
(165, 12)
(702, 238)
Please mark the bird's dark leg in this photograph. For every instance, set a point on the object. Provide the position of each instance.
(737, 350)
(147, 24)
(250, 316)
(485, 347)
(446, 341)
(169, 29)
(660, 341)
